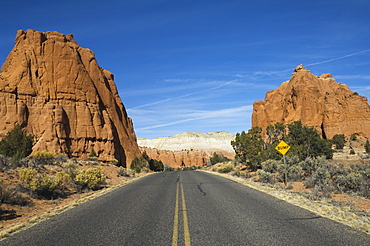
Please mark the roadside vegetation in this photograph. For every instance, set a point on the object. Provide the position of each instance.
(28, 180)
(308, 163)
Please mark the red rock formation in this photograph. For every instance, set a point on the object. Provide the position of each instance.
(178, 159)
(56, 89)
(321, 102)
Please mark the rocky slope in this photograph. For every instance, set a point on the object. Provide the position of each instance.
(188, 149)
(321, 102)
(57, 91)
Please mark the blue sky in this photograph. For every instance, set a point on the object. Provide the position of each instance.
(199, 65)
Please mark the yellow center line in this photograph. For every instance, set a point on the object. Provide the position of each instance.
(184, 214)
(175, 235)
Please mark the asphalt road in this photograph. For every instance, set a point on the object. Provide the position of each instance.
(187, 208)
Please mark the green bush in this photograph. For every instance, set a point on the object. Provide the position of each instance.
(217, 158)
(44, 157)
(156, 165)
(322, 180)
(91, 178)
(352, 152)
(28, 178)
(339, 140)
(122, 172)
(310, 165)
(139, 163)
(71, 169)
(226, 168)
(295, 173)
(265, 177)
(270, 166)
(16, 144)
(34, 181)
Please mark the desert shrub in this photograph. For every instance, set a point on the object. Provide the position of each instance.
(91, 178)
(28, 177)
(11, 196)
(353, 136)
(156, 165)
(43, 154)
(352, 152)
(113, 162)
(289, 170)
(339, 140)
(295, 173)
(4, 162)
(51, 183)
(321, 180)
(270, 166)
(265, 177)
(5, 194)
(139, 163)
(16, 144)
(61, 158)
(71, 169)
(239, 173)
(44, 157)
(217, 158)
(226, 168)
(64, 179)
(122, 172)
(310, 165)
(45, 185)
(352, 181)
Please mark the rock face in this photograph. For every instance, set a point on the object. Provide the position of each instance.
(188, 149)
(330, 107)
(57, 91)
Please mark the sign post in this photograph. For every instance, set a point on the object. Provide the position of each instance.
(283, 148)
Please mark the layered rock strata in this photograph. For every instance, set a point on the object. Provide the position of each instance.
(188, 148)
(57, 91)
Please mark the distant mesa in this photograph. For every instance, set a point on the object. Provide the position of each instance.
(188, 148)
(57, 91)
(317, 101)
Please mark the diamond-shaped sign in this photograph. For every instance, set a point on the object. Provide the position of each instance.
(282, 147)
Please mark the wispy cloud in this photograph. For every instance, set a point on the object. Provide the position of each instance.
(259, 74)
(203, 114)
(182, 96)
(338, 58)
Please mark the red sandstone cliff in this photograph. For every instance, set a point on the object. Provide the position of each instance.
(57, 91)
(321, 102)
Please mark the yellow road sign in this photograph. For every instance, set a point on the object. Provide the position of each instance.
(282, 147)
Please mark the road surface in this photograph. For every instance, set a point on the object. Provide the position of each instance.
(187, 208)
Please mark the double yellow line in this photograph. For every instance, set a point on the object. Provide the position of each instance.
(175, 235)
